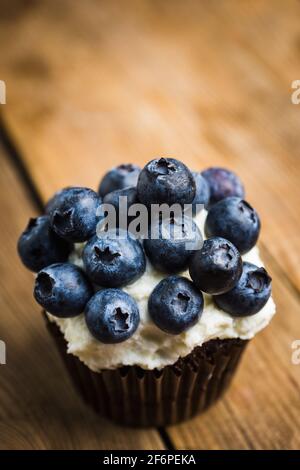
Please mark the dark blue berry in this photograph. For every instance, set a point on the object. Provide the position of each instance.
(75, 215)
(202, 194)
(62, 289)
(39, 246)
(56, 199)
(234, 219)
(112, 316)
(172, 255)
(119, 177)
(175, 304)
(249, 295)
(223, 183)
(217, 267)
(166, 180)
(113, 198)
(114, 259)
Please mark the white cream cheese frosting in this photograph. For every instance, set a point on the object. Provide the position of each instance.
(149, 347)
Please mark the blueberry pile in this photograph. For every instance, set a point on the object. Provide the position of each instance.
(232, 228)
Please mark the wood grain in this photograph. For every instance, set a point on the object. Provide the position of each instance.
(92, 84)
(39, 408)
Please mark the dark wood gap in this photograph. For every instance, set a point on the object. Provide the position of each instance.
(166, 439)
(14, 155)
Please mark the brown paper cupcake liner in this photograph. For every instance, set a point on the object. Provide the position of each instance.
(133, 396)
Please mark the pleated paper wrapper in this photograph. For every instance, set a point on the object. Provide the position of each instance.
(141, 398)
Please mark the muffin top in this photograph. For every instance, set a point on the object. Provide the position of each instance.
(159, 261)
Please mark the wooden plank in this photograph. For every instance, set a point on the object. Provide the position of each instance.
(38, 407)
(90, 86)
(261, 409)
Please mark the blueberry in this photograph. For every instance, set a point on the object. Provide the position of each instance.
(39, 246)
(234, 219)
(119, 177)
(175, 304)
(56, 199)
(62, 289)
(202, 194)
(114, 259)
(74, 217)
(217, 267)
(249, 295)
(113, 198)
(165, 180)
(112, 316)
(172, 255)
(223, 183)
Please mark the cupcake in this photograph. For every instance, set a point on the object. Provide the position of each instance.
(151, 288)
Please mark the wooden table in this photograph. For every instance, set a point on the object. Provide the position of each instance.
(92, 84)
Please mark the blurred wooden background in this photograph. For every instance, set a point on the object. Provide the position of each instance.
(95, 83)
